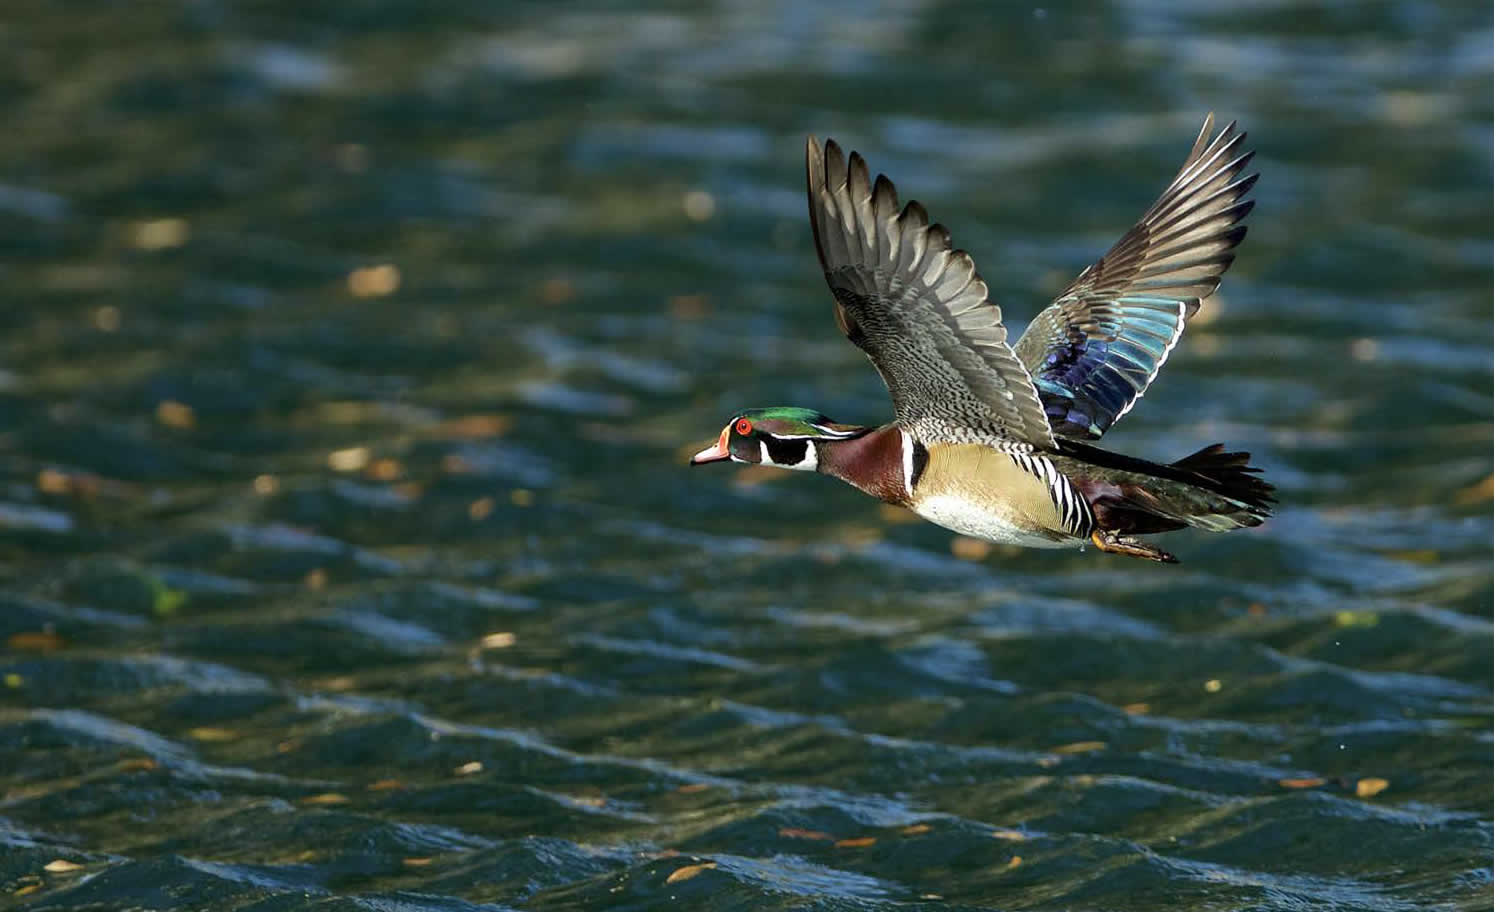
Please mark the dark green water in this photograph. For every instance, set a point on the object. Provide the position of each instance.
(348, 558)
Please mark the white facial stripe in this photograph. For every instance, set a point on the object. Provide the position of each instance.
(832, 432)
(765, 455)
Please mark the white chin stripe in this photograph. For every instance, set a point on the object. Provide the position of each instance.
(809, 461)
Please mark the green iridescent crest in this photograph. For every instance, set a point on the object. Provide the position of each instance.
(789, 422)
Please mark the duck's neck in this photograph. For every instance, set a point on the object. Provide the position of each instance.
(876, 462)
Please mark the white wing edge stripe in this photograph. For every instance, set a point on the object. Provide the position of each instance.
(1181, 323)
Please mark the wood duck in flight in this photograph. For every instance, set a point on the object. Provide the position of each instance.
(990, 440)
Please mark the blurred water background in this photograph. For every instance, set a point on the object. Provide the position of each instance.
(348, 556)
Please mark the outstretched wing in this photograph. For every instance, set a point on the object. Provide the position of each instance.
(918, 309)
(1099, 345)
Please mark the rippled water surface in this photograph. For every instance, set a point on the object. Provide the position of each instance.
(352, 354)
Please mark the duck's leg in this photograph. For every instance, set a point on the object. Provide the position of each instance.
(1115, 543)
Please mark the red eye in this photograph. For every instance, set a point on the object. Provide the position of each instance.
(742, 427)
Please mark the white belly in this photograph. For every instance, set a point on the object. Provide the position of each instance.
(991, 523)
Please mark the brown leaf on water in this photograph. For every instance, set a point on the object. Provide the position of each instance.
(692, 787)
(858, 842)
(1136, 709)
(916, 829)
(1307, 783)
(690, 871)
(1371, 786)
(799, 833)
(35, 641)
(1015, 862)
(1080, 747)
(557, 290)
(28, 889)
(475, 427)
(136, 765)
(1480, 492)
(326, 799)
(969, 549)
(688, 306)
(175, 414)
(386, 469)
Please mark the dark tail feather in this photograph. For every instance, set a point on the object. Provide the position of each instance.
(1231, 475)
(1210, 489)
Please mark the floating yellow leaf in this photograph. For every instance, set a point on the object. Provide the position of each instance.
(1015, 862)
(374, 281)
(916, 829)
(1307, 783)
(136, 764)
(209, 734)
(175, 414)
(27, 890)
(107, 318)
(1080, 747)
(1009, 835)
(1213, 685)
(693, 787)
(13, 680)
(469, 769)
(1356, 619)
(481, 508)
(351, 459)
(51, 481)
(265, 485)
(383, 785)
(159, 234)
(326, 799)
(316, 579)
(522, 498)
(688, 872)
(1136, 709)
(858, 842)
(416, 862)
(1370, 786)
(497, 641)
(61, 866)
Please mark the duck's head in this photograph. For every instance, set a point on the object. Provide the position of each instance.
(785, 437)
